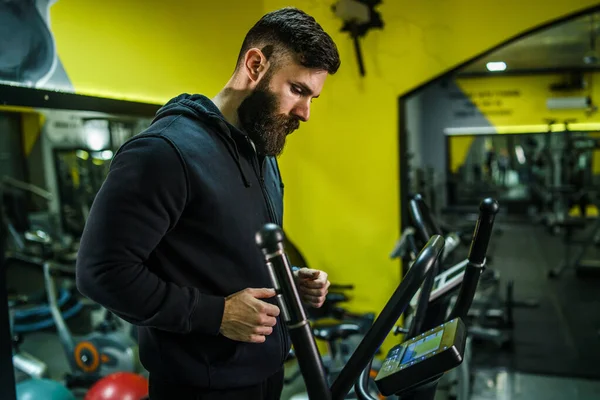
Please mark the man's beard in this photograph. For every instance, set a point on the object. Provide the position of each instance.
(259, 119)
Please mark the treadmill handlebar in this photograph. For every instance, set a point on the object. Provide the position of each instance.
(418, 220)
(476, 259)
(483, 230)
(270, 240)
(423, 219)
(385, 322)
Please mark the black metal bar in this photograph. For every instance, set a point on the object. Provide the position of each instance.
(483, 230)
(7, 374)
(418, 220)
(423, 304)
(40, 98)
(357, 50)
(434, 228)
(403, 169)
(412, 246)
(361, 388)
(388, 317)
(426, 227)
(481, 238)
(422, 218)
(270, 240)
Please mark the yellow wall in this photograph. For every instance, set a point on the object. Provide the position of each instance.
(527, 110)
(459, 150)
(150, 50)
(341, 169)
(521, 100)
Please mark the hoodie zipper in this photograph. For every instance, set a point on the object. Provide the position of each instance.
(268, 199)
(282, 333)
(259, 172)
(261, 178)
(265, 193)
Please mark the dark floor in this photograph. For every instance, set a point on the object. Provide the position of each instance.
(490, 384)
(560, 337)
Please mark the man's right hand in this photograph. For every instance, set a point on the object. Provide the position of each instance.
(248, 319)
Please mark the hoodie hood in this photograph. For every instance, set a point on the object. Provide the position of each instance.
(200, 107)
(194, 106)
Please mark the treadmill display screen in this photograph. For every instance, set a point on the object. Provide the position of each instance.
(422, 347)
(422, 358)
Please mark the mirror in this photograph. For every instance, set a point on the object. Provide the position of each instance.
(507, 125)
(80, 173)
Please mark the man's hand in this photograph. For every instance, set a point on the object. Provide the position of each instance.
(312, 285)
(248, 319)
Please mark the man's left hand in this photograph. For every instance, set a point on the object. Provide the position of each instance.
(312, 286)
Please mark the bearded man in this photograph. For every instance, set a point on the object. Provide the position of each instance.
(169, 242)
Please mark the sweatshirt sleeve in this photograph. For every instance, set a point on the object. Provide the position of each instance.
(141, 199)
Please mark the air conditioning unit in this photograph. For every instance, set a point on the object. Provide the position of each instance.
(569, 103)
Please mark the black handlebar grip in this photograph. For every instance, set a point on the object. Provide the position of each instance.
(418, 219)
(483, 230)
(270, 238)
(432, 225)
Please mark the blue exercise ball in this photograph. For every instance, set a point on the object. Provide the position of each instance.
(42, 389)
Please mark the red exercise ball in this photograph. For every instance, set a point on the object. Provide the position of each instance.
(119, 386)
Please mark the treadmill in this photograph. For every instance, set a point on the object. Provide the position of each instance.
(411, 369)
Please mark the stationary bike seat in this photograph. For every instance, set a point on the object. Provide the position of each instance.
(330, 331)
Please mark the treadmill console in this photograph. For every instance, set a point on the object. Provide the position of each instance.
(422, 358)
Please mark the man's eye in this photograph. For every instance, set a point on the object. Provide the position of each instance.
(296, 89)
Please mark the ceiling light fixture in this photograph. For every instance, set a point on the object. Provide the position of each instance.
(496, 66)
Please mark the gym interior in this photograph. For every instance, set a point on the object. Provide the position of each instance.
(449, 124)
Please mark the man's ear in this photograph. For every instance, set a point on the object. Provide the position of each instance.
(255, 64)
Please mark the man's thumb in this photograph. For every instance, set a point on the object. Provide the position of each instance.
(263, 293)
(307, 273)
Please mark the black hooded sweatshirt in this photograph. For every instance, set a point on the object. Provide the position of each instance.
(171, 233)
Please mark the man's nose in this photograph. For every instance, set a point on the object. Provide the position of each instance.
(302, 111)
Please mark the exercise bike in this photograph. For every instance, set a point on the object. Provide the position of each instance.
(442, 292)
(491, 317)
(412, 369)
(26, 366)
(106, 350)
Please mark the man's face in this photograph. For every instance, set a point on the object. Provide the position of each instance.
(279, 102)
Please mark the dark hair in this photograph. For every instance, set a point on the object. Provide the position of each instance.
(292, 30)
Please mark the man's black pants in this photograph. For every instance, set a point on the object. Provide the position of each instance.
(270, 389)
